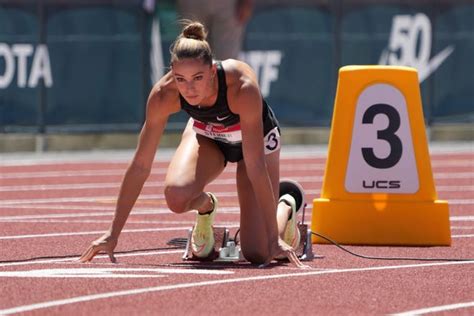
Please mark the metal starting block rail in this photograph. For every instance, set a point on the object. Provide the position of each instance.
(228, 250)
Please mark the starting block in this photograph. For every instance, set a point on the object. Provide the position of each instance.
(228, 250)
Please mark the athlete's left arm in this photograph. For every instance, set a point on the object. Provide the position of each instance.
(248, 103)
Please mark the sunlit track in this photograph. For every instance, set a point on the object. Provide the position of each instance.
(139, 291)
(52, 213)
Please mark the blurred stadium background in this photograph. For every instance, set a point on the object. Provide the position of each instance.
(75, 74)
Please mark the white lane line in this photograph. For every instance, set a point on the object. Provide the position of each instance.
(435, 309)
(71, 173)
(92, 199)
(285, 158)
(160, 184)
(106, 272)
(138, 291)
(461, 201)
(74, 274)
(68, 234)
(162, 171)
(67, 215)
(116, 185)
(99, 214)
(48, 221)
(74, 260)
(89, 199)
(121, 172)
(454, 188)
(449, 175)
(52, 217)
(291, 157)
(69, 207)
(142, 230)
(453, 163)
(461, 218)
(437, 151)
(224, 210)
(112, 198)
(95, 185)
(71, 186)
(98, 221)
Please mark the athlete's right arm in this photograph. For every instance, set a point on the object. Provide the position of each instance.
(159, 107)
(140, 167)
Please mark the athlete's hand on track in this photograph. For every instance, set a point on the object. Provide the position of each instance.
(283, 248)
(106, 244)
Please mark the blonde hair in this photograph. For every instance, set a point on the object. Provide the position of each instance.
(191, 43)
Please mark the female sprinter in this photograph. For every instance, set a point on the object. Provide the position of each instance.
(230, 122)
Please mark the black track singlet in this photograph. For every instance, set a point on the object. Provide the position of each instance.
(219, 123)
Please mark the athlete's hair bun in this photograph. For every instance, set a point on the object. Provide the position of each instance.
(194, 30)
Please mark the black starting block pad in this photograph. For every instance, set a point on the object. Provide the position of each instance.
(226, 250)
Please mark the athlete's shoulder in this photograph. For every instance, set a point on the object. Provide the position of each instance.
(242, 85)
(165, 94)
(236, 68)
(239, 74)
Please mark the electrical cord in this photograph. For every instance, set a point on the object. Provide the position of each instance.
(388, 258)
(235, 236)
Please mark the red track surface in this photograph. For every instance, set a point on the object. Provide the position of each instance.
(50, 212)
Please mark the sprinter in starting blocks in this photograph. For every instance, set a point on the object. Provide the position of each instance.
(227, 249)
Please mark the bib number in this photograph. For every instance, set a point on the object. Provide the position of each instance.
(272, 141)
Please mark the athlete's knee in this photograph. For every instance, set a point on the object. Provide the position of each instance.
(178, 198)
(254, 255)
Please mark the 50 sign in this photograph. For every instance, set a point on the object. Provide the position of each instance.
(381, 155)
(410, 45)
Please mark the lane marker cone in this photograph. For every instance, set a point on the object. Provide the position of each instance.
(378, 186)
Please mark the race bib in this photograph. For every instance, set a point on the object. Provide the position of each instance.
(233, 135)
(230, 134)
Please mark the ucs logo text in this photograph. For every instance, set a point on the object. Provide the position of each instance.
(381, 184)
